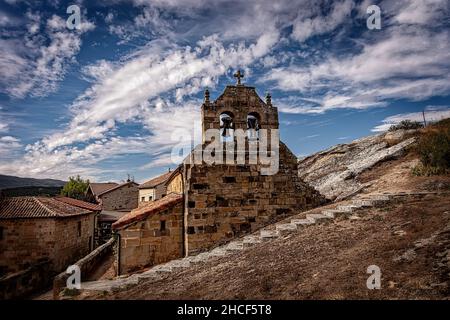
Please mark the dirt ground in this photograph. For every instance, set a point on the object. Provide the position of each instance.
(409, 241)
(395, 176)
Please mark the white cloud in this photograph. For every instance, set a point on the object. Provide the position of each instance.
(131, 91)
(4, 127)
(317, 24)
(9, 146)
(37, 62)
(407, 63)
(432, 114)
(423, 12)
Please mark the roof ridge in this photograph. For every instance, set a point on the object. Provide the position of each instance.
(45, 207)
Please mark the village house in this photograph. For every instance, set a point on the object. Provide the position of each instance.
(113, 196)
(96, 188)
(42, 234)
(210, 204)
(153, 189)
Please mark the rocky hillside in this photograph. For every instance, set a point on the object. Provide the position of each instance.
(336, 171)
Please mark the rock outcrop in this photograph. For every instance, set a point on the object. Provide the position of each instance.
(334, 172)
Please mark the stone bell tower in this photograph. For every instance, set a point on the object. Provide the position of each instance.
(225, 200)
(241, 106)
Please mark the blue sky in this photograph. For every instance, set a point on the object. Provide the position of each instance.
(104, 100)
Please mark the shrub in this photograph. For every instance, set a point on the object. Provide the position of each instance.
(406, 125)
(433, 149)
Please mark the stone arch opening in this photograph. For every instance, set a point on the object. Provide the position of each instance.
(253, 125)
(226, 120)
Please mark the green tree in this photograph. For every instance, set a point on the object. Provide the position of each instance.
(75, 188)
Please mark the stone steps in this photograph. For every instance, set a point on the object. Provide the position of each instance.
(218, 252)
(285, 228)
(266, 234)
(249, 241)
(334, 213)
(235, 246)
(317, 217)
(301, 223)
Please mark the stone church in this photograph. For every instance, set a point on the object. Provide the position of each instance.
(209, 204)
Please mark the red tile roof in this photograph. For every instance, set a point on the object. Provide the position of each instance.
(37, 207)
(155, 181)
(98, 188)
(117, 186)
(80, 204)
(153, 207)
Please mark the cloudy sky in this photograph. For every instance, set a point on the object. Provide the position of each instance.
(105, 99)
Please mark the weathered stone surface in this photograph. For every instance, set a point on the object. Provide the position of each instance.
(334, 172)
(154, 240)
(227, 200)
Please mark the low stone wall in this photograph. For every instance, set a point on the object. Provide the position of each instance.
(25, 282)
(86, 265)
(143, 244)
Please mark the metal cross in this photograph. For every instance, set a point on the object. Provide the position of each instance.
(238, 75)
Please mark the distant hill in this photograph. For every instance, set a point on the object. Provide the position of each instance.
(8, 182)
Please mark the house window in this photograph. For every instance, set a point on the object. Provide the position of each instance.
(79, 228)
(142, 199)
(1, 233)
(162, 226)
(150, 198)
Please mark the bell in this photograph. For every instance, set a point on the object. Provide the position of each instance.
(251, 123)
(226, 125)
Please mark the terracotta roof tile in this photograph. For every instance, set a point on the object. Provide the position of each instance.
(98, 188)
(143, 212)
(156, 181)
(80, 204)
(37, 207)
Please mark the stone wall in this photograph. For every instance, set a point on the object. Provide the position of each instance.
(124, 198)
(175, 184)
(238, 102)
(26, 242)
(30, 241)
(224, 201)
(86, 264)
(144, 244)
(70, 246)
(160, 191)
(25, 282)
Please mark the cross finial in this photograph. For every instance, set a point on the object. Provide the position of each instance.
(206, 95)
(238, 75)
